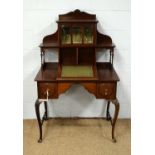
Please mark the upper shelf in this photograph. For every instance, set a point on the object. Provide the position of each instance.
(77, 21)
(56, 45)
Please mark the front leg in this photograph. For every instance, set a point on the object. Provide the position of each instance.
(46, 112)
(108, 117)
(37, 105)
(117, 106)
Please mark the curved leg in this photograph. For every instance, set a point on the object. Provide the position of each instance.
(116, 104)
(108, 117)
(37, 104)
(46, 113)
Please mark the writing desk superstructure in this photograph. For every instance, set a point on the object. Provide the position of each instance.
(77, 42)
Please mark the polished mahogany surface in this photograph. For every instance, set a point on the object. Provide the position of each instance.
(77, 41)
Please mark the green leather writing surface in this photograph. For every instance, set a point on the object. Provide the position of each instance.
(77, 71)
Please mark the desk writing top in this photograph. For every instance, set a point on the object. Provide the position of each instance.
(105, 72)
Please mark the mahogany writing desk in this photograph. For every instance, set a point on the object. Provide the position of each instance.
(77, 42)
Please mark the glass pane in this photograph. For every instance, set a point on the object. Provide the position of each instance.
(77, 35)
(65, 35)
(88, 35)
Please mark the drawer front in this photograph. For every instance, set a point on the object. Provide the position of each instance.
(44, 87)
(106, 90)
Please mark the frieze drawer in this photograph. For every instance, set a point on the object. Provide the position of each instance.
(43, 87)
(106, 90)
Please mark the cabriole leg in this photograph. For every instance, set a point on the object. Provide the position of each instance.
(46, 112)
(117, 106)
(108, 117)
(37, 105)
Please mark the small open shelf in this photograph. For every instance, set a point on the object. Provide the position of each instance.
(77, 56)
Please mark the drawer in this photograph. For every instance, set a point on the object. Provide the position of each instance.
(106, 90)
(43, 87)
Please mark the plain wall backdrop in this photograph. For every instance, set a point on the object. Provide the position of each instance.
(40, 19)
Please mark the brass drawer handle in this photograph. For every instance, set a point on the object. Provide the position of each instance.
(106, 92)
(47, 93)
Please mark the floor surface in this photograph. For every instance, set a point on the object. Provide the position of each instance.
(77, 137)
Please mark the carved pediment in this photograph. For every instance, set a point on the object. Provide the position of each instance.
(77, 15)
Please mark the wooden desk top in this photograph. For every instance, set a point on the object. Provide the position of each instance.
(105, 72)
